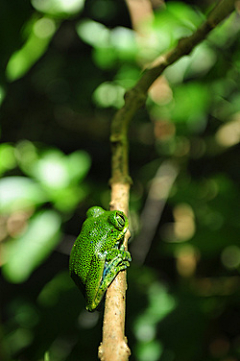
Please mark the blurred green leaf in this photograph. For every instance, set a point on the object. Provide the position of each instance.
(176, 21)
(109, 95)
(51, 167)
(66, 199)
(190, 102)
(198, 63)
(124, 41)
(22, 60)
(18, 339)
(93, 33)
(127, 76)
(53, 290)
(20, 193)
(24, 254)
(185, 14)
(7, 157)
(61, 175)
(161, 303)
(78, 164)
(201, 60)
(149, 351)
(57, 177)
(225, 32)
(59, 8)
(105, 57)
(109, 45)
(51, 170)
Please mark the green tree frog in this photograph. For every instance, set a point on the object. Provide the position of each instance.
(98, 253)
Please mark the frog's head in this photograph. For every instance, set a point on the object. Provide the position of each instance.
(119, 221)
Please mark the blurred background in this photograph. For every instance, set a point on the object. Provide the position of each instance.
(65, 65)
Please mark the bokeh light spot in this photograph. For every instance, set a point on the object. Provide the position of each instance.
(231, 257)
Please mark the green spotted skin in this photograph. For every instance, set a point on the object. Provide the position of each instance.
(98, 254)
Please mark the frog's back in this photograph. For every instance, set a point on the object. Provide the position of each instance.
(87, 246)
(91, 242)
(81, 254)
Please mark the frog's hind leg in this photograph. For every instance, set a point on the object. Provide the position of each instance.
(111, 269)
(110, 265)
(93, 283)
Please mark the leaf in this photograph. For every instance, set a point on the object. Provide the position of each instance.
(36, 45)
(78, 164)
(191, 102)
(24, 254)
(19, 193)
(59, 8)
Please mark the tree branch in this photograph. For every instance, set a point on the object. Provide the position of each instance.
(114, 345)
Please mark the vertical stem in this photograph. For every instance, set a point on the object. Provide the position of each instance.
(114, 345)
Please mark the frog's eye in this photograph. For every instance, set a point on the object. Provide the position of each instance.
(120, 220)
(117, 218)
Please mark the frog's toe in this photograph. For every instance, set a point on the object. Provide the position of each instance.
(128, 256)
(122, 248)
(125, 264)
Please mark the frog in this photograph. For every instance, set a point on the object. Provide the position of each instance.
(98, 253)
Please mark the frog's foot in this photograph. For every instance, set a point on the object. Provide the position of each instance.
(111, 269)
(119, 265)
(126, 254)
(120, 254)
(116, 260)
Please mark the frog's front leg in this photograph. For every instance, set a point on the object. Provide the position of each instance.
(116, 260)
(111, 263)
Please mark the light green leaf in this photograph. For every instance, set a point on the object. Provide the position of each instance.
(24, 254)
(59, 8)
(93, 33)
(109, 94)
(109, 45)
(190, 102)
(66, 199)
(78, 164)
(55, 171)
(23, 59)
(7, 157)
(51, 170)
(19, 193)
